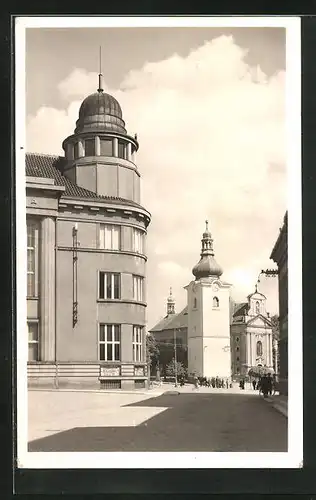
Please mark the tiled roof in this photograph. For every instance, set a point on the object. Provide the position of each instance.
(240, 309)
(49, 166)
(172, 321)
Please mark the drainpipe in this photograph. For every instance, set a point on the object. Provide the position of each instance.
(56, 359)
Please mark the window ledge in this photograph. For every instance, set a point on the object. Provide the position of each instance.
(123, 301)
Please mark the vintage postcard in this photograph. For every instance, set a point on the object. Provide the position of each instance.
(158, 198)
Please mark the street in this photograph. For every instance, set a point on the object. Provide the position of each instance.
(190, 421)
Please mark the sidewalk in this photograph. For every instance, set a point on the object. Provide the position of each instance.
(279, 403)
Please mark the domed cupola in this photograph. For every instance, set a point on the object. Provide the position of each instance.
(207, 266)
(100, 112)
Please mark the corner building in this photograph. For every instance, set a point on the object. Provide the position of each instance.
(86, 256)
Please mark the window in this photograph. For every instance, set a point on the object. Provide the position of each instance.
(195, 303)
(106, 147)
(32, 258)
(76, 150)
(138, 241)
(137, 343)
(215, 302)
(109, 342)
(138, 288)
(121, 149)
(237, 359)
(34, 353)
(109, 285)
(259, 348)
(89, 147)
(237, 339)
(110, 237)
(237, 370)
(237, 349)
(257, 307)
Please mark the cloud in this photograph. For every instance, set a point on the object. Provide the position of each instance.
(212, 145)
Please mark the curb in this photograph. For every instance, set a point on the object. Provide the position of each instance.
(100, 391)
(278, 407)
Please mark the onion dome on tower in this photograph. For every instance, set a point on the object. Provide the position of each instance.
(171, 304)
(207, 267)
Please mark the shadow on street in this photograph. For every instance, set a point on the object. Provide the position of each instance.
(192, 422)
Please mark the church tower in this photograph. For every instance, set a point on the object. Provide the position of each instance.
(171, 304)
(209, 353)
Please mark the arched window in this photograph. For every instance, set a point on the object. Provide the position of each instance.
(215, 302)
(195, 303)
(259, 348)
(257, 307)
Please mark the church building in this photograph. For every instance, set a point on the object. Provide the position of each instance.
(203, 326)
(86, 255)
(223, 339)
(251, 335)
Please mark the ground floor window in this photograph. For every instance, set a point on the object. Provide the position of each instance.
(109, 342)
(137, 343)
(33, 341)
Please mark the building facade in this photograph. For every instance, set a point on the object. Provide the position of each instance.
(251, 336)
(86, 256)
(280, 256)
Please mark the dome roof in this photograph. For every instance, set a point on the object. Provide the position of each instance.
(207, 267)
(256, 294)
(100, 112)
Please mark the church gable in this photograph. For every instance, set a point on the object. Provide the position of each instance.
(259, 321)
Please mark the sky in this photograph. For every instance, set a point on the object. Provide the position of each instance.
(208, 106)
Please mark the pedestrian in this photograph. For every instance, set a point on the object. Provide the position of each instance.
(254, 384)
(269, 384)
(227, 383)
(264, 386)
(196, 381)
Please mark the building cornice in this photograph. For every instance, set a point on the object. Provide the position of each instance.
(110, 207)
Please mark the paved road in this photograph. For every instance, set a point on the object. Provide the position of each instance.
(185, 422)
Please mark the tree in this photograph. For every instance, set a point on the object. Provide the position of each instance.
(259, 371)
(181, 369)
(152, 350)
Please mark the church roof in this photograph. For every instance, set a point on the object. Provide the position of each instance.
(240, 309)
(172, 321)
(50, 166)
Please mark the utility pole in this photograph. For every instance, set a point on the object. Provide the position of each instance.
(175, 357)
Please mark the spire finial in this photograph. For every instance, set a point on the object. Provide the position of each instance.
(206, 225)
(100, 89)
(171, 291)
(256, 288)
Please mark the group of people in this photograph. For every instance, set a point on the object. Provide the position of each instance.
(264, 385)
(215, 382)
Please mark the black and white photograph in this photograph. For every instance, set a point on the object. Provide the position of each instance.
(158, 202)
